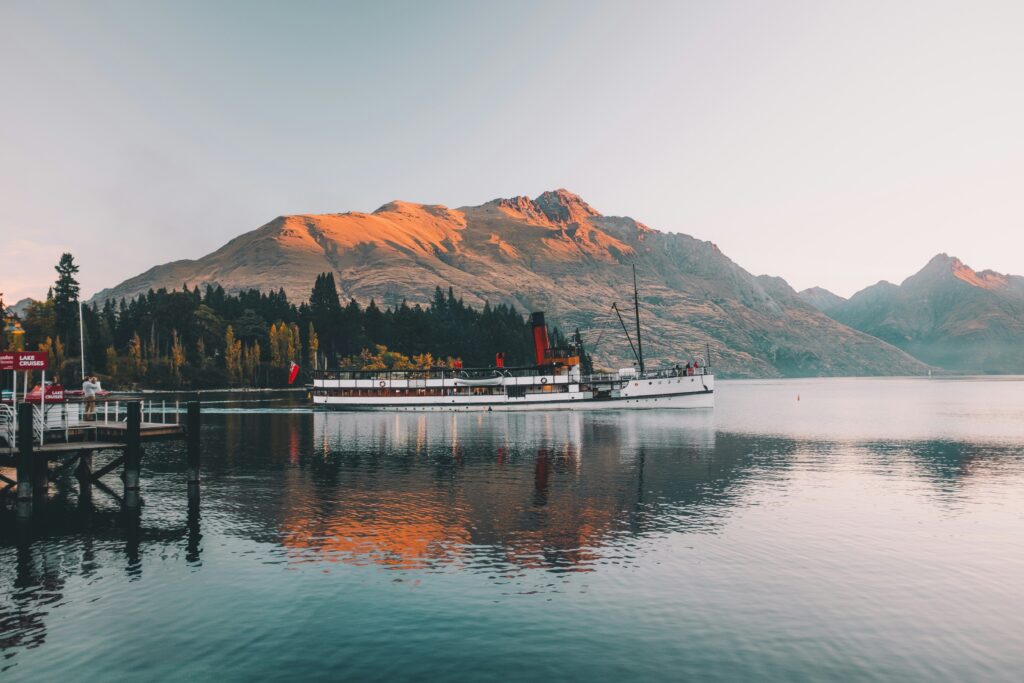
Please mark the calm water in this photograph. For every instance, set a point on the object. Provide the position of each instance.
(871, 530)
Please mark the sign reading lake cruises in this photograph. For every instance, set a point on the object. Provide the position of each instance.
(20, 361)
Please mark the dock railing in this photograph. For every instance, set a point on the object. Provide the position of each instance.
(62, 421)
(8, 424)
(153, 412)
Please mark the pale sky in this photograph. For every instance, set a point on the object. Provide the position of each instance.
(829, 143)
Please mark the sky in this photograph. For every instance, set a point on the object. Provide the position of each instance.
(829, 143)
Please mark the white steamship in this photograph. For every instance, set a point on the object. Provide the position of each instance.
(554, 382)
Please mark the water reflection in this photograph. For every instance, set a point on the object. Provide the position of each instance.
(555, 496)
(544, 490)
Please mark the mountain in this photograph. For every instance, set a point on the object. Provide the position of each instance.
(822, 299)
(554, 253)
(22, 306)
(947, 315)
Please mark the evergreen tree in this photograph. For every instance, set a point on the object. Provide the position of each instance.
(325, 312)
(65, 301)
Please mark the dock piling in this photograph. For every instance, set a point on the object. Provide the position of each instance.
(133, 454)
(192, 440)
(25, 470)
(83, 472)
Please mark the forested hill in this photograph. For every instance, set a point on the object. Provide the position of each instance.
(210, 338)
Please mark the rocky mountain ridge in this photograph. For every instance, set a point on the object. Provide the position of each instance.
(555, 253)
(947, 314)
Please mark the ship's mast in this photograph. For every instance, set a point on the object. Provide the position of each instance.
(615, 307)
(636, 305)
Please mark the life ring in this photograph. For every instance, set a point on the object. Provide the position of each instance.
(543, 380)
(382, 383)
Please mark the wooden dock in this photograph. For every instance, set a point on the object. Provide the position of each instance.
(98, 437)
(33, 460)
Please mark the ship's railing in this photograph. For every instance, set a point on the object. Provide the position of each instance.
(676, 371)
(433, 373)
(656, 373)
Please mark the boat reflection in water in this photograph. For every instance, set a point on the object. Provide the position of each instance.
(530, 489)
(770, 540)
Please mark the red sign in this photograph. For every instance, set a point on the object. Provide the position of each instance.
(54, 394)
(20, 361)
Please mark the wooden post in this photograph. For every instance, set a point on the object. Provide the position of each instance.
(192, 550)
(192, 436)
(83, 472)
(40, 473)
(25, 430)
(133, 454)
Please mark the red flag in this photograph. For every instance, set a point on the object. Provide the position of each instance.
(293, 372)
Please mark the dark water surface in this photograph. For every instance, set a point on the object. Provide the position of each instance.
(872, 530)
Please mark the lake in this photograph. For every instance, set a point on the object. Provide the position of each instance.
(806, 530)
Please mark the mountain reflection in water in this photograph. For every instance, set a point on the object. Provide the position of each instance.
(771, 538)
(530, 490)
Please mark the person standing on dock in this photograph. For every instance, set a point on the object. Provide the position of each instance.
(89, 388)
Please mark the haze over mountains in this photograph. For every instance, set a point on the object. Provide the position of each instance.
(947, 315)
(554, 253)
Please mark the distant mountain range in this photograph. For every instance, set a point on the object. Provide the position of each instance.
(947, 315)
(555, 253)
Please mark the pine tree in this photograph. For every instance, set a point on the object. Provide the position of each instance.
(65, 297)
(325, 311)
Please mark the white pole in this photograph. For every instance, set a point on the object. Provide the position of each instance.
(42, 407)
(163, 411)
(14, 403)
(177, 415)
(81, 336)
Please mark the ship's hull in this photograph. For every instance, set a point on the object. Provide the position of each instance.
(697, 399)
(567, 391)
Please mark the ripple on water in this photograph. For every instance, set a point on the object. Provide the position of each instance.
(870, 532)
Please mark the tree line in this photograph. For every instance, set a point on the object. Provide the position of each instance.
(205, 338)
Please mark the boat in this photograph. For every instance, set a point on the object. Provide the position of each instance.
(554, 382)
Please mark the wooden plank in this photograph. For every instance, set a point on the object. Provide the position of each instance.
(109, 467)
(60, 470)
(70, 447)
